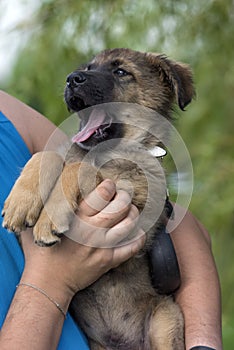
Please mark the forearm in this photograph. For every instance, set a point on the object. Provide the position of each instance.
(202, 319)
(199, 294)
(33, 321)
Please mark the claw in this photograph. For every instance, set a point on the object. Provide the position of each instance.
(5, 226)
(56, 233)
(27, 224)
(44, 244)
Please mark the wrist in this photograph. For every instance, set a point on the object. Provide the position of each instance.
(52, 286)
(47, 296)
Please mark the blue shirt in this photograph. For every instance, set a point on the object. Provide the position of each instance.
(13, 156)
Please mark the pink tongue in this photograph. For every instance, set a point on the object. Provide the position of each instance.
(96, 119)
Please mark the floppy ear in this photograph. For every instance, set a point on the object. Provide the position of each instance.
(177, 75)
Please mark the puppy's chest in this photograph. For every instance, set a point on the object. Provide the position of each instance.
(132, 168)
(129, 175)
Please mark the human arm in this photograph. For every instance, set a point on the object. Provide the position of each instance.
(199, 294)
(35, 322)
(33, 127)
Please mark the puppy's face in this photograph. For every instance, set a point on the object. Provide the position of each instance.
(124, 75)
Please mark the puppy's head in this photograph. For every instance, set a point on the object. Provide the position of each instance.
(123, 75)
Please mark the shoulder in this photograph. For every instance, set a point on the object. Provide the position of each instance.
(34, 128)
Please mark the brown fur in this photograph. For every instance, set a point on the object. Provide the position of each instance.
(121, 310)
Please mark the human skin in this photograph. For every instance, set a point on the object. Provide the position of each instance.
(199, 294)
(64, 269)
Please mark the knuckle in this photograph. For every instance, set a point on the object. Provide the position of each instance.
(105, 259)
(105, 218)
(129, 223)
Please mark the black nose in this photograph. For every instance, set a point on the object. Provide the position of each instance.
(75, 79)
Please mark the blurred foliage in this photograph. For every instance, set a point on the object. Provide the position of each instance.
(64, 34)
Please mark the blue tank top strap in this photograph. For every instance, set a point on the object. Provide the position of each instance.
(13, 156)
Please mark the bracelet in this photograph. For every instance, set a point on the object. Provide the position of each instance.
(45, 294)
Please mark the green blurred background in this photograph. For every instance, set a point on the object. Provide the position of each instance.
(61, 34)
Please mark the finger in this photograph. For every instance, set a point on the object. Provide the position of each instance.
(121, 202)
(94, 232)
(115, 211)
(124, 229)
(125, 252)
(133, 212)
(98, 199)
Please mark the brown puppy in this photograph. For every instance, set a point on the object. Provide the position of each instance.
(121, 310)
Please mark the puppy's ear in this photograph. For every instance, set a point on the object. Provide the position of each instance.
(177, 75)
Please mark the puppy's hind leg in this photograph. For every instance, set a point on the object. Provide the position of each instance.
(166, 329)
(23, 206)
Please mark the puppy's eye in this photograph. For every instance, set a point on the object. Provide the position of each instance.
(121, 72)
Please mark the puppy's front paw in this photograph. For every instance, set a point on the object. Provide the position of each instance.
(50, 227)
(21, 209)
(23, 206)
(59, 209)
(44, 232)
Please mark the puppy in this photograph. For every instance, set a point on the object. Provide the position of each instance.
(124, 99)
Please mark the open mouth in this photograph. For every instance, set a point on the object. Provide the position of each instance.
(94, 127)
(76, 104)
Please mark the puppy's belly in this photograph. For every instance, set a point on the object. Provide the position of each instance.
(115, 311)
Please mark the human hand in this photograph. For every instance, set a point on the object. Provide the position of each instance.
(69, 267)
